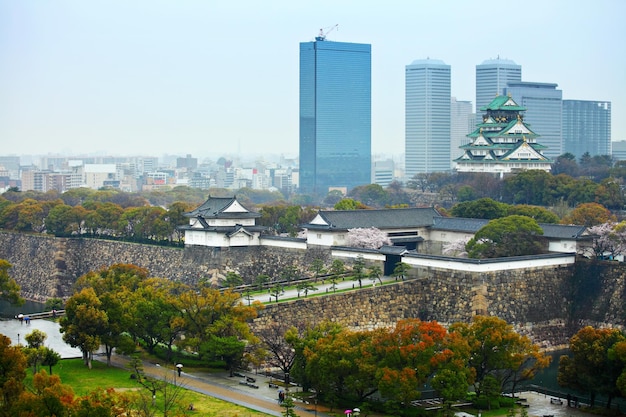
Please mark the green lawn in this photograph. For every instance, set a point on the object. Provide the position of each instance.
(84, 380)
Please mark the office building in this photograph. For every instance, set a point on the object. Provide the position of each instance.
(492, 77)
(427, 117)
(544, 104)
(462, 123)
(335, 115)
(587, 127)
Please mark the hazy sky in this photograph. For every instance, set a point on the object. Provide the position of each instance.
(205, 77)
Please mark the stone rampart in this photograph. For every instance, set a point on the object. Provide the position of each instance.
(549, 303)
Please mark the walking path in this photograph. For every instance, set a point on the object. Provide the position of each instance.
(323, 287)
(223, 387)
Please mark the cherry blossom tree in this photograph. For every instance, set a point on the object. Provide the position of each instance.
(609, 240)
(456, 247)
(367, 238)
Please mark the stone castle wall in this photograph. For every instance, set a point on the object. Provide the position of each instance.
(550, 304)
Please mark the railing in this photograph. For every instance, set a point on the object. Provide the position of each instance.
(43, 315)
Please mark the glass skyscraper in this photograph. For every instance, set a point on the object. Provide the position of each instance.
(544, 109)
(587, 127)
(427, 117)
(492, 76)
(462, 123)
(335, 115)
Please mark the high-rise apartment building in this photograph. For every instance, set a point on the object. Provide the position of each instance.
(544, 104)
(335, 115)
(587, 127)
(492, 76)
(427, 117)
(462, 123)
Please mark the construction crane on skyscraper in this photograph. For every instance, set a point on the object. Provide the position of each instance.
(325, 31)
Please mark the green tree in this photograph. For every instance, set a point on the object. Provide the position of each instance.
(591, 368)
(113, 286)
(83, 323)
(497, 351)
(9, 289)
(540, 214)
(358, 270)
(508, 236)
(317, 267)
(484, 208)
(232, 280)
(401, 270)
(375, 273)
(50, 358)
(349, 204)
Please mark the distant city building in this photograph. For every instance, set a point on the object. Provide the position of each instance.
(502, 143)
(95, 175)
(427, 117)
(544, 104)
(383, 172)
(187, 162)
(587, 127)
(618, 150)
(492, 77)
(462, 123)
(335, 115)
(12, 165)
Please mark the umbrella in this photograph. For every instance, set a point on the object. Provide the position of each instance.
(348, 412)
(179, 365)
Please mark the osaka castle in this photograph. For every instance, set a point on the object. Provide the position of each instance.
(502, 143)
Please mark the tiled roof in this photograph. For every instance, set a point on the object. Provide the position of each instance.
(561, 231)
(553, 231)
(381, 219)
(459, 224)
(498, 104)
(215, 206)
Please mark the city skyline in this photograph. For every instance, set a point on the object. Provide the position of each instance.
(213, 77)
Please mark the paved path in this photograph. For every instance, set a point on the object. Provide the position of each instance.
(324, 287)
(223, 387)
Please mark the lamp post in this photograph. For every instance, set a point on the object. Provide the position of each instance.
(18, 339)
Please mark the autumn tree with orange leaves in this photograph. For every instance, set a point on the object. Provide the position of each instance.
(410, 354)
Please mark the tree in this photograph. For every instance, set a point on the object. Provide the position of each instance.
(540, 214)
(35, 350)
(281, 353)
(588, 214)
(368, 238)
(232, 280)
(409, 355)
(456, 247)
(317, 267)
(508, 236)
(349, 204)
(83, 323)
(401, 270)
(112, 287)
(50, 358)
(375, 273)
(484, 208)
(497, 351)
(12, 374)
(609, 193)
(590, 368)
(9, 289)
(358, 270)
(609, 240)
